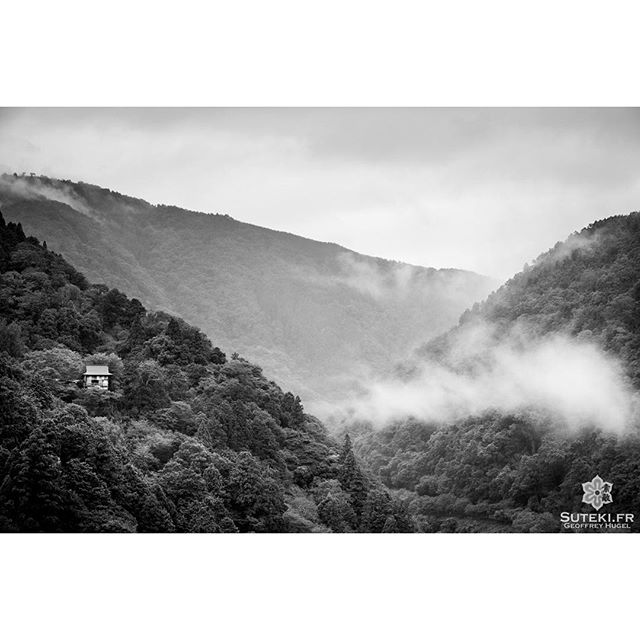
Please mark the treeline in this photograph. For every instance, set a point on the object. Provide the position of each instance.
(184, 440)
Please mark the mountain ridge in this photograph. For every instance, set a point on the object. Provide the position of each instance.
(316, 314)
(193, 212)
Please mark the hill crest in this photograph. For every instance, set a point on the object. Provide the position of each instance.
(315, 314)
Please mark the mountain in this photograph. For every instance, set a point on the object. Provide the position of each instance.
(183, 440)
(533, 394)
(587, 286)
(530, 398)
(317, 316)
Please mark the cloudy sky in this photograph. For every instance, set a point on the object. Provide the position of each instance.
(479, 189)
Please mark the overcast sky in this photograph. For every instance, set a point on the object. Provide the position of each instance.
(479, 189)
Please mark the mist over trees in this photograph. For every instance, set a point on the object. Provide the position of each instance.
(501, 470)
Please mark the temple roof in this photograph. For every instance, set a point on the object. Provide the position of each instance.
(97, 370)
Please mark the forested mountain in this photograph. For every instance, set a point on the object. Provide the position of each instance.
(496, 469)
(317, 316)
(185, 439)
(587, 287)
(189, 439)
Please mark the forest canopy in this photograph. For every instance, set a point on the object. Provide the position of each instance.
(185, 439)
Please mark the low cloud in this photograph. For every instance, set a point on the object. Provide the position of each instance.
(579, 242)
(374, 279)
(36, 188)
(574, 383)
(387, 280)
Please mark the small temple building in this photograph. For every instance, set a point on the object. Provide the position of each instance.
(97, 376)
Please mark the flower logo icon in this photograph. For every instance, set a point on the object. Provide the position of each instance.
(597, 492)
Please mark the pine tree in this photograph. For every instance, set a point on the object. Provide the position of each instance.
(351, 477)
(20, 233)
(173, 330)
(292, 411)
(346, 448)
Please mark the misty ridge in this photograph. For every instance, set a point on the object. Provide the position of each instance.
(559, 339)
(388, 281)
(38, 189)
(315, 315)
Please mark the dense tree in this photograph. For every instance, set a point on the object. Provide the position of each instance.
(145, 386)
(337, 513)
(183, 441)
(256, 498)
(11, 339)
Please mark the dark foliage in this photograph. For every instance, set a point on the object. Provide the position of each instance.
(184, 440)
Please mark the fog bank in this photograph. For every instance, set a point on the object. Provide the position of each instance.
(575, 383)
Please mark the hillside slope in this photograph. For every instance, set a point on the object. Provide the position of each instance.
(183, 440)
(316, 315)
(587, 286)
(545, 379)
